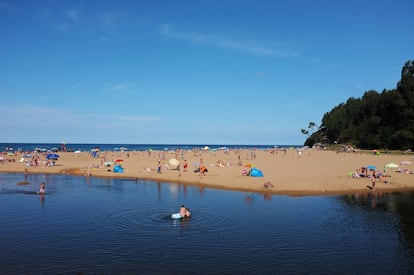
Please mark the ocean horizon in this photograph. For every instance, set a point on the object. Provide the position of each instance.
(15, 146)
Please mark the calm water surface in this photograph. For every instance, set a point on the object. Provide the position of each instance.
(88, 225)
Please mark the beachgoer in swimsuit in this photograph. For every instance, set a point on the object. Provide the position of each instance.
(42, 188)
(182, 210)
(185, 212)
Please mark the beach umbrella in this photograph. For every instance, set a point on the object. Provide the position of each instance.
(174, 162)
(391, 165)
(108, 163)
(119, 160)
(52, 156)
(371, 167)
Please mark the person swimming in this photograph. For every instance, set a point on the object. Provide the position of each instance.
(185, 212)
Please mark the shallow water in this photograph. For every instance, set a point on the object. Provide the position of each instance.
(124, 226)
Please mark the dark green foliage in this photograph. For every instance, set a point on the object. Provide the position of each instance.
(377, 120)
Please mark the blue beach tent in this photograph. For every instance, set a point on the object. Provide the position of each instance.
(256, 172)
(118, 169)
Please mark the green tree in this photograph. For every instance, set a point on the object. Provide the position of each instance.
(406, 85)
(376, 120)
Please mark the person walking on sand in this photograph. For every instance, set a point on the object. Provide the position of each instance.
(373, 182)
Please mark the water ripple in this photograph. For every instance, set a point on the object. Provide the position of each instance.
(148, 220)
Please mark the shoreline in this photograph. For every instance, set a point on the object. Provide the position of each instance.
(292, 172)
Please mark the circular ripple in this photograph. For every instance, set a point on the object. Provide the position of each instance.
(147, 220)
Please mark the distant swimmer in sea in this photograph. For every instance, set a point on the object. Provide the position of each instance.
(42, 188)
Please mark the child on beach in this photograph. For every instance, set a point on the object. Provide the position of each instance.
(268, 184)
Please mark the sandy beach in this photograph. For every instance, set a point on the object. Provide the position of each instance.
(307, 172)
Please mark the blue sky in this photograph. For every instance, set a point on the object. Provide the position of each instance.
(192, 72)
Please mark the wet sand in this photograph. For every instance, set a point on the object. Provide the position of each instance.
(311, 172)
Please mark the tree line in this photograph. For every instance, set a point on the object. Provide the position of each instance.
(375, 121)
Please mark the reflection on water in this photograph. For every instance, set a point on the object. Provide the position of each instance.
(124, 226)
(400, 203)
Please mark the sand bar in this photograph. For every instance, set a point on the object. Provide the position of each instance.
(307, 172)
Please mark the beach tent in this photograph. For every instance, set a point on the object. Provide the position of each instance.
(256, 172)
(118, 169)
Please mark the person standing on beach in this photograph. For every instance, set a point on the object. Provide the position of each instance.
(159, 167)
(373, 179)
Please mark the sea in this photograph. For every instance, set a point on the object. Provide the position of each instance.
(129, 147)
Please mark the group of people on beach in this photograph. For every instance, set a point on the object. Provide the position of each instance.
(372, 174)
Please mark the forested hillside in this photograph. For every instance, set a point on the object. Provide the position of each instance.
(375, 121)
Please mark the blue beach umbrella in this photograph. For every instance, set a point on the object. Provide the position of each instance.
(52, 156)
(372, 167)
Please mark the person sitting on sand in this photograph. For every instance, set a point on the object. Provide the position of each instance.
(268, 184)
(42, 188)
(203, 170)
